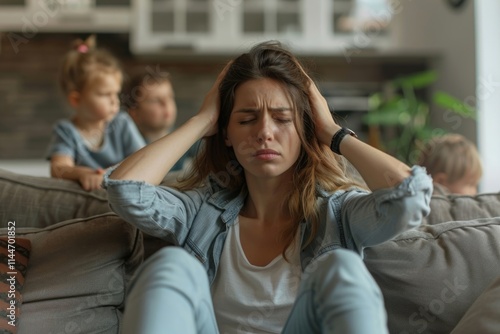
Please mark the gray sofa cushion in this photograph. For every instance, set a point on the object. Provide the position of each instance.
(431, 276)
(484, 315)
(77, 275)
(35, 201)
(462, 207)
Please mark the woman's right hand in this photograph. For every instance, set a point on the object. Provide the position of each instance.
(210, 107)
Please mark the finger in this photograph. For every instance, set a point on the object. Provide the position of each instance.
(221, 75)
(312, 85)
(85, 185)
(311, 82)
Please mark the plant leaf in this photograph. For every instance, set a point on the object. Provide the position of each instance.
(418, 80)
(394, 112)
(425, 133)
(449, 102)
(375, 100)
(382, 118)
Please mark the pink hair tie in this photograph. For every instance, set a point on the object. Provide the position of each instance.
(82, 48)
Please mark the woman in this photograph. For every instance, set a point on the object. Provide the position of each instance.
(268, 212)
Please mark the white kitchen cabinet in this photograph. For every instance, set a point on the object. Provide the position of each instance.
(211, 26)
(31, 16)
(229, 26)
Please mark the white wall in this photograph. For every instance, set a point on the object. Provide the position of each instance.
(467, 43)
(488, 90)
(31, 167)
(432, 26)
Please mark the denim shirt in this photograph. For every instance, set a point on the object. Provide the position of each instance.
(198, 219)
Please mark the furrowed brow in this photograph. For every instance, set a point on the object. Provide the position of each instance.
(281, 109)
(245, 110)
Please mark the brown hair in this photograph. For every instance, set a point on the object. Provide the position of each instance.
(316, 165)
(453, 155)
(133, 92)
(82, 62)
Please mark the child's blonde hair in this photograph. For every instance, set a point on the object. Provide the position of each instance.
(453, 155)
(84, 61)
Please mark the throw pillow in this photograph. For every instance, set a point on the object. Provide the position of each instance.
(14, 256)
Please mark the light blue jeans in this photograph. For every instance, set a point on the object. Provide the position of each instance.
(171, 295)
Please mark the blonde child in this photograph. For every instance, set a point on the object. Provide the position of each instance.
(150, 101)
(97, 136)
(454, 164)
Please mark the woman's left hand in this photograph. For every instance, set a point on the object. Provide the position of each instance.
(323, 120)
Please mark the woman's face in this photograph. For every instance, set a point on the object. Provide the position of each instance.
(261, 129)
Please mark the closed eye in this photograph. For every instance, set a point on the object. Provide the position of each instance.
(107, 94)
(246, 121)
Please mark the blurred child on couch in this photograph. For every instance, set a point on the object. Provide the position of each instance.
(454, 164)
(151, 104)
(97, 136)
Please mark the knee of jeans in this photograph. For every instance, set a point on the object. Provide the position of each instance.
(340, 265)
(178, 259)
(172, 254)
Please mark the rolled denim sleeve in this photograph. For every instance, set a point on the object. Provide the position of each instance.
(372, 218)
(160, 211)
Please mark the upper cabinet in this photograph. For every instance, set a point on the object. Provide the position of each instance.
(212, 26)
(32, 16)
(228, 26)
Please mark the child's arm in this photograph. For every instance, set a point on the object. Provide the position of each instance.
(63, 167)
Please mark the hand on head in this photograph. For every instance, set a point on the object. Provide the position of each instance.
(322, 116)
(210, 107)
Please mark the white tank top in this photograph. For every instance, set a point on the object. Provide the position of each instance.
(253, 299)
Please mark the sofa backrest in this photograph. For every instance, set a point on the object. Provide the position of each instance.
(35, 201)
(446, 208)
(430, 276)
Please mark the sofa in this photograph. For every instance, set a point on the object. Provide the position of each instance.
(72, 276)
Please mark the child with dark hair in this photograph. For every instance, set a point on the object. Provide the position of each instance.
(151, 104)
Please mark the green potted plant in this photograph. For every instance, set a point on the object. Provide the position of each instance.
(401, 116)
